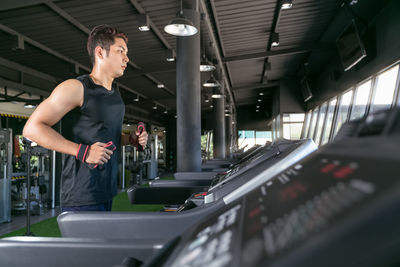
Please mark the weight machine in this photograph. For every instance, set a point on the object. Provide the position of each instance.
(5, 174)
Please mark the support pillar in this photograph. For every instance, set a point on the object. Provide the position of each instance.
(219, 132)
(229, 137)
(188, 97)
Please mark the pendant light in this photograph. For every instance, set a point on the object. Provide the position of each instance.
(216, 93)
(211, 82)
(180, 26)
(205, 64)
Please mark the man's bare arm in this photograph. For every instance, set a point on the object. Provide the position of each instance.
(65, 97)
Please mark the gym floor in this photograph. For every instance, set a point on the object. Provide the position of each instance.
(19, 221)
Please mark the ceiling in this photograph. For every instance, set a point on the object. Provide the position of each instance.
(44, 42)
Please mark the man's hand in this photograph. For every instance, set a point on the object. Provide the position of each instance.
(98, 154)
(142, 137)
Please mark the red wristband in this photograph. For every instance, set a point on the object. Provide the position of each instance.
(82, 152)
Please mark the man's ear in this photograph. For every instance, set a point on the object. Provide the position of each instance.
(99, 52)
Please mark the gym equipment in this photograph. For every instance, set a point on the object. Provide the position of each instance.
(5, 174)
(166, 224)
(27, 144)
(67, 252)
(337, 207)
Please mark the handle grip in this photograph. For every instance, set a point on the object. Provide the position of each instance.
(110, 145)
(140, 129)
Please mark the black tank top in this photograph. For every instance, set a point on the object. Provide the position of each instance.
(98, 120)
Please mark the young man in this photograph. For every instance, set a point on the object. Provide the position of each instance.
(92, 111)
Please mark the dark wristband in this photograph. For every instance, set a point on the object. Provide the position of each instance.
(82, 152)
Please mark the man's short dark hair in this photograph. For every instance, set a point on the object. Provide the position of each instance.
(103, 36)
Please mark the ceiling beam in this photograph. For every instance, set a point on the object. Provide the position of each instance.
(257, 86)
(83, 28)
(11, 4)
(155, 69)
(153, 27)
(42, 47)
(275, 53)
(146, 119)
(66, 59)
(132, 106)
(23, 87)
(27, 70)
(76, 23)
(213, 38)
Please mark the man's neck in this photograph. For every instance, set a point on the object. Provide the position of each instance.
(101, 79)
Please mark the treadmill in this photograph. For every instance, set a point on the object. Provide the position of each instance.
(337, 207)
(167, 225)
(193, 179)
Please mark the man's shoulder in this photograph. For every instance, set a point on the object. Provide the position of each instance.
(71, 85)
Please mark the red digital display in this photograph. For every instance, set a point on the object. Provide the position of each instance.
(254, 212)
(292, 191)
(328, 168)
(343, 172)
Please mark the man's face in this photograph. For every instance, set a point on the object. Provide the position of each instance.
(117, 58)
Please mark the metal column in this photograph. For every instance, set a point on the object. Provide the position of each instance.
(5, 174)
(219, 133)
(123, 167)
(229, 137)
(188, 98)
(53, 180)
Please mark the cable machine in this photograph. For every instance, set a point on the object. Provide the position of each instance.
(5, 174)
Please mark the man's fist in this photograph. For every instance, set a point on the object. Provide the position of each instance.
(98, 154)
(142, 137)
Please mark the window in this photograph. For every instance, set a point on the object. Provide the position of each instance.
(249, 138)
(360, 100)
(385, 88)
(262, 137)
(320, 124)
(329, 119)
(278, 126)
(313, 123)
(246, 139)
(380, 92)
(306, 125)
(292, 125)
(273, 130)
(343, 110)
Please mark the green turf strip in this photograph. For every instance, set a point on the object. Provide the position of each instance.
(49, 227)
(46, 228)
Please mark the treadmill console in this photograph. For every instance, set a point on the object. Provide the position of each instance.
(308, 207)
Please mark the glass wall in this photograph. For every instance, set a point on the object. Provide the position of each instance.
(343, 110)
(262, 137)
(360, 100)
(292, 125)
(385, 89)
(329, 121)
(306, 125)
(379, 92)
(249, 138)
(320, 124)
(314, 118)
